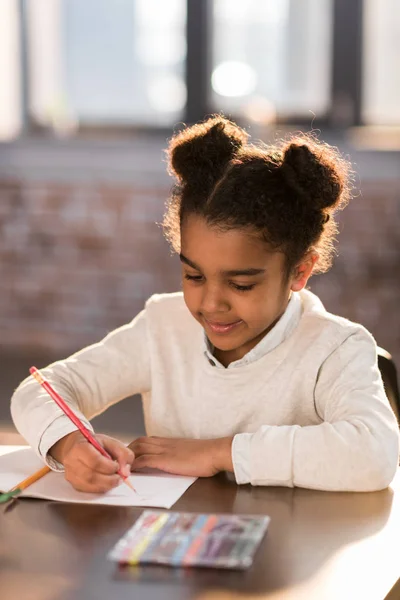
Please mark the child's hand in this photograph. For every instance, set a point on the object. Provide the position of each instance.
(195, 458)
(85, 468)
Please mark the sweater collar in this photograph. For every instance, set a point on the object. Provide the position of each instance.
(283, 328)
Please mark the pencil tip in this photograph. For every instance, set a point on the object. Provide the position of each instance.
(128, 483)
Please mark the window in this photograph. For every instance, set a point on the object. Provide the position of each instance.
(272, 57)
(10, 89)
(106, 62)
(381, 71)
(65, 63)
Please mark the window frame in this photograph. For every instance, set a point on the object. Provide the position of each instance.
(345, 76)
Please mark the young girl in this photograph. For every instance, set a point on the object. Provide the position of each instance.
(244, 371)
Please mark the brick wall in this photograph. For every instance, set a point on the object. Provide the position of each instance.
(79, 258)
(364, 282)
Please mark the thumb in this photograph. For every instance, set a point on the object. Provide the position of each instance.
(123, 455)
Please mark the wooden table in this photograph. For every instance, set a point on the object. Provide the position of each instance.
(319, 545)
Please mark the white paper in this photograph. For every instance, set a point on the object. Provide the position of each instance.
(155, 490)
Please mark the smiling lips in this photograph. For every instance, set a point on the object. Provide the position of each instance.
(222, 327)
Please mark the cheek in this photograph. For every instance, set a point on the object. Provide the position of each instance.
(191, 297)
(261, 309)
(251, 309)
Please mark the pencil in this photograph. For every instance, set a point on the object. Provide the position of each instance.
(75, 419)
(17, 489)
(31, 479)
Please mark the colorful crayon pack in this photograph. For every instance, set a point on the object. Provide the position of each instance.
(191, 539)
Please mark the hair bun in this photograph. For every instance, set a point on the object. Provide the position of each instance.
(311, 174)
(199, 154)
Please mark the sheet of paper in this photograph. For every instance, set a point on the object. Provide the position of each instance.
(156, 489)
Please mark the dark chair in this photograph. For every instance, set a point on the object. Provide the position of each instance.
(389, 375)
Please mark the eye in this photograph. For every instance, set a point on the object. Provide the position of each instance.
(196, 278)
(242, 288)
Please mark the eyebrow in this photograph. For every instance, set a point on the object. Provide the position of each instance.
(230, 273)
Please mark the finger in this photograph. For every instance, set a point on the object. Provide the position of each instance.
(152, 461)
(97, 488)
(140, 448)
(153, 440)
(86, 480)
(91, 458)
(121, 453)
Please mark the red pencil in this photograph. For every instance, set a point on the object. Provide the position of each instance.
(76, 421)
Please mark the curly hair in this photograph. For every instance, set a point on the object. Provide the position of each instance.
(287, 193)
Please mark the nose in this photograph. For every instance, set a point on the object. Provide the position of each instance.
(213, 300)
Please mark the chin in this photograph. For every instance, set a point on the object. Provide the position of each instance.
(224, 345)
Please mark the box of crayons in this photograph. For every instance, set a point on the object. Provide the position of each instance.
(191, 539)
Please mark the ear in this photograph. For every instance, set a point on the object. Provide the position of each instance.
(303, 271)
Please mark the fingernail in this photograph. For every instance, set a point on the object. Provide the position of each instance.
(126, 470)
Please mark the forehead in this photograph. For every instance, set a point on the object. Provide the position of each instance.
(212, 248)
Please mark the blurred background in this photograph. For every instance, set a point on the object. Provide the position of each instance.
(91, 91)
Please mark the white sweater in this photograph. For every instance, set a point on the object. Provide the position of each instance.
(307, 408)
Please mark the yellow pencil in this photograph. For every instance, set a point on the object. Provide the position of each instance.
(17, 489)
(31, 479)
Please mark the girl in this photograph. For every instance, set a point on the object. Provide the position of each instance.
(245, 371)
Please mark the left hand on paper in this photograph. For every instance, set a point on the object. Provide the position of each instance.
(193, 458)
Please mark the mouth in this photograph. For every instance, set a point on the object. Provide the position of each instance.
(222, 328)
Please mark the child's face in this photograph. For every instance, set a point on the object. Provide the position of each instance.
(233, 285)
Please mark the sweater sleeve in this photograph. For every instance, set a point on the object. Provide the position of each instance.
(89, 381)
(355, 448)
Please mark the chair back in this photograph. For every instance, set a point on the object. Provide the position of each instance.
(389, 376)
